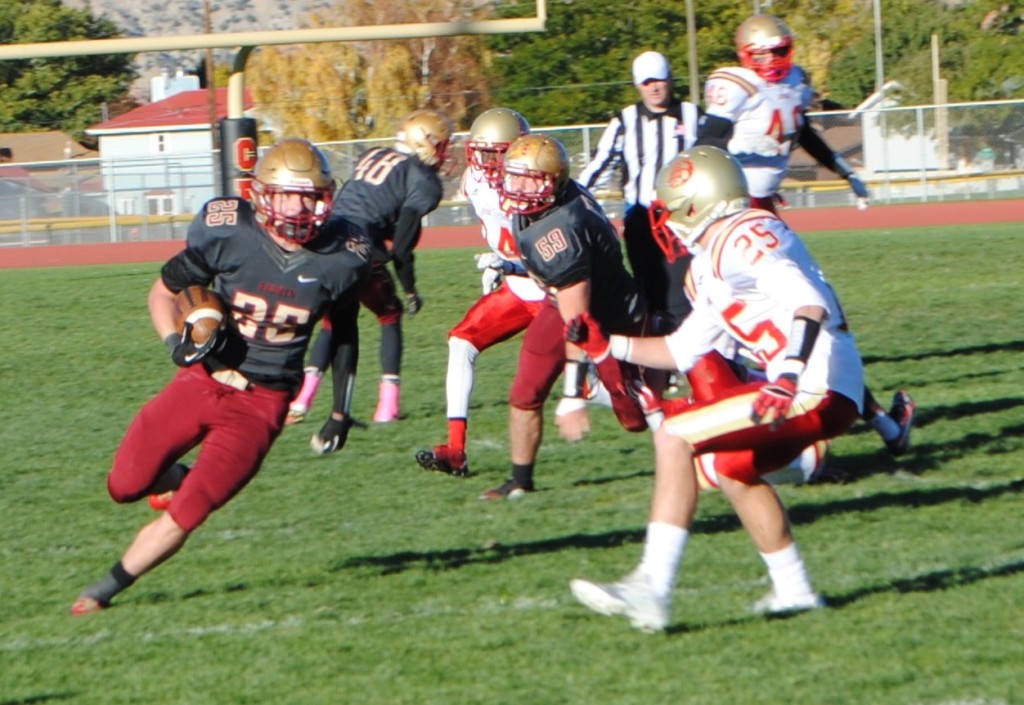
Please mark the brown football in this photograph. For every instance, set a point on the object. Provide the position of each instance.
(203, 309)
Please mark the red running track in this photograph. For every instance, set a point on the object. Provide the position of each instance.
(803, 220)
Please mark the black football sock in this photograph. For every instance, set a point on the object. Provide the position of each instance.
(169, 479)
(522, 475)
(104, 589)
(871, 407)
(391, 349)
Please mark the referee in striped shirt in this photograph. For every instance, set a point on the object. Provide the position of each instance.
(643, 137)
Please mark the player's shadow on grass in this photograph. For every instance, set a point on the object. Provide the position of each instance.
(925, 582)
(612, 478)
(35, 699)
(929, 582)
(929, 414)
(1012, 346)
(454, 558)
(926, 457)
(810, 513)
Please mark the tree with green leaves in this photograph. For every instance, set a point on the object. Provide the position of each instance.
(67, 93)
(579, 69)
(979, 47)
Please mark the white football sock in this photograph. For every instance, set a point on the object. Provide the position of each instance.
(788, 572)
(462, 357)
(663, 552)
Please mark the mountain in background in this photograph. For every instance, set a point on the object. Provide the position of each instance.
(166, 18)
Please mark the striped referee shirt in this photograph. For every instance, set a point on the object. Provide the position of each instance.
(643, 141)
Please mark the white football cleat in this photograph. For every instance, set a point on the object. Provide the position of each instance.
(774, 604)
(631, 597)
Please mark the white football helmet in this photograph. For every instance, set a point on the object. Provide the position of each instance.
(293, 165)
(545, 163)
(698, 187)
(426, 133)
(765, 45)
(489, 138)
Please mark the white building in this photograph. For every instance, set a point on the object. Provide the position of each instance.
(158, 159)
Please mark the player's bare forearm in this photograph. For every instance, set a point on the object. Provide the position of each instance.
(649, 352)
(573, 300)
(161, 309)
(814, 313)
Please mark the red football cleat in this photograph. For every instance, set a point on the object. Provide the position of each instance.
(444, 458)
(160, 502)
(86, 605)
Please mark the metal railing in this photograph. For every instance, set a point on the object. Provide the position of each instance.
(911, 154)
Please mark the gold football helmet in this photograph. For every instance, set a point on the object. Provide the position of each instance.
(765, 46)
(291, 166)
(536, 171)
(698, 187)
(489, 138)
(426, 133)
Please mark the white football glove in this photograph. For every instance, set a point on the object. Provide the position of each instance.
(860, 190)
(493, 271)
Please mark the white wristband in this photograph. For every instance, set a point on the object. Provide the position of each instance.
(567, 405)
(792, 366)
(620, 346)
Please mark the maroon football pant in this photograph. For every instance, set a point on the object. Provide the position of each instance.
(542, 360)
(236, 429)
(379, 295)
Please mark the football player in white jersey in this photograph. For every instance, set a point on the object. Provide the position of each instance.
(756, 282)
(510, 297)
(757, 111)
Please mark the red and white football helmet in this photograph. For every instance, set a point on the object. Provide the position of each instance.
(765, 45)
(293, 165)
(489, 138)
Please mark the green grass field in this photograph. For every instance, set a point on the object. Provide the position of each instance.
(359, 578)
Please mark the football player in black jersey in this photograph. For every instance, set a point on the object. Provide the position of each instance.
(391, 190)
(571, 248)
(278, 267)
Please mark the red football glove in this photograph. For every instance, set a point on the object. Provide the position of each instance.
(584, 332)
(775, 400)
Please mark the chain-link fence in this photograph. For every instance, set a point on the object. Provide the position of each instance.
(913, 154)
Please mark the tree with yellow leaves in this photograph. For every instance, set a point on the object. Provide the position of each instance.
(353, 90)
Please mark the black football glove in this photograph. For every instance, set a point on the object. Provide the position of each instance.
(332, 436)
(184, 352)
(413, 303)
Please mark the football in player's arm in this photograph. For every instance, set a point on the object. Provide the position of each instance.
(279, 267)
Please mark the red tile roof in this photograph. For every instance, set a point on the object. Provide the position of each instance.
(185, 109)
